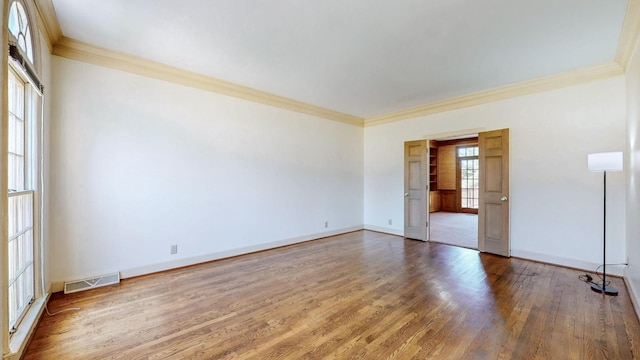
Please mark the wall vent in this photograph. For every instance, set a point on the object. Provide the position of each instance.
(91, 283)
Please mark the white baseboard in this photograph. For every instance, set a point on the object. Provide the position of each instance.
(616, 270)
(634, 293)
(384, 230)
(58, 286)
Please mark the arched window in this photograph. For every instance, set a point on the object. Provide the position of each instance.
(23, 121)
(19, 28)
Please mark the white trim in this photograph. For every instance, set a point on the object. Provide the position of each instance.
(629, 34)
(615, 270)
(48, 22)
(19, 340)
(385, 230)
(455, 135)
(552, 82)
(58, 285)
(634, 293)
(79, 51)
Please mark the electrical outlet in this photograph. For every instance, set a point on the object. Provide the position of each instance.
(326, 224)
(174, 249)
(390, 222)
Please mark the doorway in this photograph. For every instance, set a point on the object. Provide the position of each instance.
(455, 191)
(448, 180)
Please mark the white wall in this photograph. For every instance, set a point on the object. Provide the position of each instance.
(556, 205)
(141, 164)
(632, 274)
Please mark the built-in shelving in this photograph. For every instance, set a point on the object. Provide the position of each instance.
(434, 194)
(433, 168)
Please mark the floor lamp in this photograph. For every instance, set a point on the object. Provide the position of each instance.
(604, 162)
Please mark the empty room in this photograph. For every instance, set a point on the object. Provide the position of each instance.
(242, 179)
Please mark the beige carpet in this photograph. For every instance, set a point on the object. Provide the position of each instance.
(458, 229)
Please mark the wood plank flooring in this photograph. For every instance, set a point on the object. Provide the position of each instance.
(362, 295)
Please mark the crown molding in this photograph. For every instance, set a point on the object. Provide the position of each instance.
(76, 50)
(48, 22)
(506, 92)
(629, 34)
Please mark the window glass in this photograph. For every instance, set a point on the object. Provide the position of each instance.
(23, 120)
(469, 176)
(22, 171)
(19, 28)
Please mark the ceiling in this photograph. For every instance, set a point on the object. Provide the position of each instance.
(360, 57)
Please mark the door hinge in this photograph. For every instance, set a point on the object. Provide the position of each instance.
(427, 224)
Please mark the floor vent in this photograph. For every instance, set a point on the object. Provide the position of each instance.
(91, 283)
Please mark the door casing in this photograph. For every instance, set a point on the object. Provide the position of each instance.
(493, 207)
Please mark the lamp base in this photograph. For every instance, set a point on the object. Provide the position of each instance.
(608, 290)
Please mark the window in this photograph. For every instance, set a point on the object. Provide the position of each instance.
(19, 28)
(23, 172)
(23, 115)
(22, 185)
(469, 177)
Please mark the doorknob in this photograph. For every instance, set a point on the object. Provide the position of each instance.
(406, 194)
(504, 198)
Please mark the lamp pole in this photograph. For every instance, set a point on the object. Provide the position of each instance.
(596, 287)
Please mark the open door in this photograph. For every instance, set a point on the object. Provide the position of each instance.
(416, 199)
(493, 207)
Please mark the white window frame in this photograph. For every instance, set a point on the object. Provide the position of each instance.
(28, 189)
(24, 34)
(14, 344)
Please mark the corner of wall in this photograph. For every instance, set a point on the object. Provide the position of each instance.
(634, 293)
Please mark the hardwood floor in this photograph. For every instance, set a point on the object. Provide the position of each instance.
(359, 295)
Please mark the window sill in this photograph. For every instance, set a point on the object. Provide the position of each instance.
(20, 339)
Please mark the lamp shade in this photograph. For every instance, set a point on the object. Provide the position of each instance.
(607, 161)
